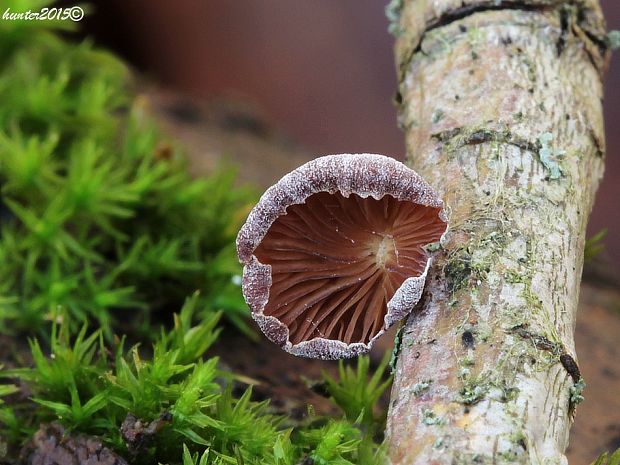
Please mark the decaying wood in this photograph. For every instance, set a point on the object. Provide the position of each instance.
(501, 105)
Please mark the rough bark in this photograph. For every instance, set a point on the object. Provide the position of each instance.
(501, 105)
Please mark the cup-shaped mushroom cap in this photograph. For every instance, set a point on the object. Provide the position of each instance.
(334, 254)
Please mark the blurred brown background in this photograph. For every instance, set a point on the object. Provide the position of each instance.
(322, 72)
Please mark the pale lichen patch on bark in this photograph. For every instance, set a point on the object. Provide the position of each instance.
(392, 11)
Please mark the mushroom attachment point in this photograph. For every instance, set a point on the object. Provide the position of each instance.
(334, 254)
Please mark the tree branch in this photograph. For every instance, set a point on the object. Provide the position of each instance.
(501, 105)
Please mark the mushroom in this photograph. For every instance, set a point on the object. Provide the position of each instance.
(334, 254)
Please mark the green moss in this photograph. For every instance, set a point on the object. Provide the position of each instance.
(99, 213)
(606, 459)
(90, 387)
(357, 391)
(102, 222)
(594, 246)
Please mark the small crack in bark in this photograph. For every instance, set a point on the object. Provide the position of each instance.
(482, 136)
(457, 14)
(465, 11)
(542, 343)
(564, 25)
(602, 47)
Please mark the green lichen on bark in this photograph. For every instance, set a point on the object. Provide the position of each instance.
(549, 156)
(392, 11)
(430, 418)
(576, 392)
(421, 387)
(613, 38)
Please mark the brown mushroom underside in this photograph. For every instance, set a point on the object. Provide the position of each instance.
(337, 261)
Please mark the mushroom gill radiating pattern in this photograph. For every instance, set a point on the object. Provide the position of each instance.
(337, 261)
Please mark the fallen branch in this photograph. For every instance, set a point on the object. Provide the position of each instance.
(501, 105)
